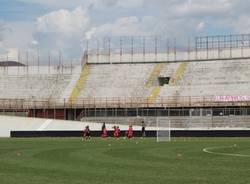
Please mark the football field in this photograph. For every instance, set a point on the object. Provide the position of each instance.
(137, 161)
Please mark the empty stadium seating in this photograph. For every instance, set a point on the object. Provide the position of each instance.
(202, 79)
(136, 80)
(117, 80)
(28, 83)
(211, 78)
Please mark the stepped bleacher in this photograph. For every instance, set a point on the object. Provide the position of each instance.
(125, 80)
(74, 86)
(210, 78)
(29, 83)
(190, 79)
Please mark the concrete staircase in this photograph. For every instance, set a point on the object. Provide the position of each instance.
(79, 86)
(178, 74)
(150, 83)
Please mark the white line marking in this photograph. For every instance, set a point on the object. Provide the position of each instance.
(206, 150)
(45, 124)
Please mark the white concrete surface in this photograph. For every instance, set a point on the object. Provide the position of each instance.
(12, 123)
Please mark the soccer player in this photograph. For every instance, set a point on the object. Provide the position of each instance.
(104, 131)
(86, 133)
(115, 131)
(143, 129)
(118, 131)
(130, 132)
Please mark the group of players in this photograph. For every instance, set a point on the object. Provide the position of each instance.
(116, 132)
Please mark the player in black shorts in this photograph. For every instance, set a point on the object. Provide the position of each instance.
(143, 129)
(86, 133)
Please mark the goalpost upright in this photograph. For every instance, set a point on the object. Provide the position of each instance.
(163, 129)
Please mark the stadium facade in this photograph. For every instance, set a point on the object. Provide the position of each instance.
(202, 86)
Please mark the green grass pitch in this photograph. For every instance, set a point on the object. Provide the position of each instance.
(137, 161)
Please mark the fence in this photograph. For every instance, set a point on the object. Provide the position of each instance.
(159, 49)
(208, 115)
(133, 102)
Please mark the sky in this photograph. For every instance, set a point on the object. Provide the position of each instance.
(65, 25)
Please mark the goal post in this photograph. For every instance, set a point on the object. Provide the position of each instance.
(163, 129)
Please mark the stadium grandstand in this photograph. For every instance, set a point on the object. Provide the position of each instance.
(204, 86)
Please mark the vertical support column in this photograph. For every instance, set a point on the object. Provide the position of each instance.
(95, 112)
(207, 46)
(62, 63)
(59, 62)
(38, 60)
(75, 114)
(19, 60)
(44, 113)
(87, 52)
(132, 49)
(109, 50)
(156, 48)
(27, 62)
(97, 51)
(64, 113)
(54, 112)
(6, 65)
(188, 49)
(218, 41)
(175, 49)
(143, 49)
(230, 46)
(242, 45)
(168, 50)
(121, 49)
(248, 44)
(49, 61)
(196, 49)
(71, 67)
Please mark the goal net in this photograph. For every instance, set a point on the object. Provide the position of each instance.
(163, 129)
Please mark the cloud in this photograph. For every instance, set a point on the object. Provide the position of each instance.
(148, 26)
(180, 19)
(200, 26)
(125, 4)
(241, 24)
(66, 23)
(203, 8)
(62, 30)
(19, 34)
(97, 4)
(55, 3)
(15, 36)
(125, 26)
(63, 21)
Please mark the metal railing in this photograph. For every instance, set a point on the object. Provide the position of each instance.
(118, 102)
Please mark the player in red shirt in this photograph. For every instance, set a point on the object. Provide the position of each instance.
(130, 132)
(118, 132)
(86, 133)
(104, 131)
(115, 131)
